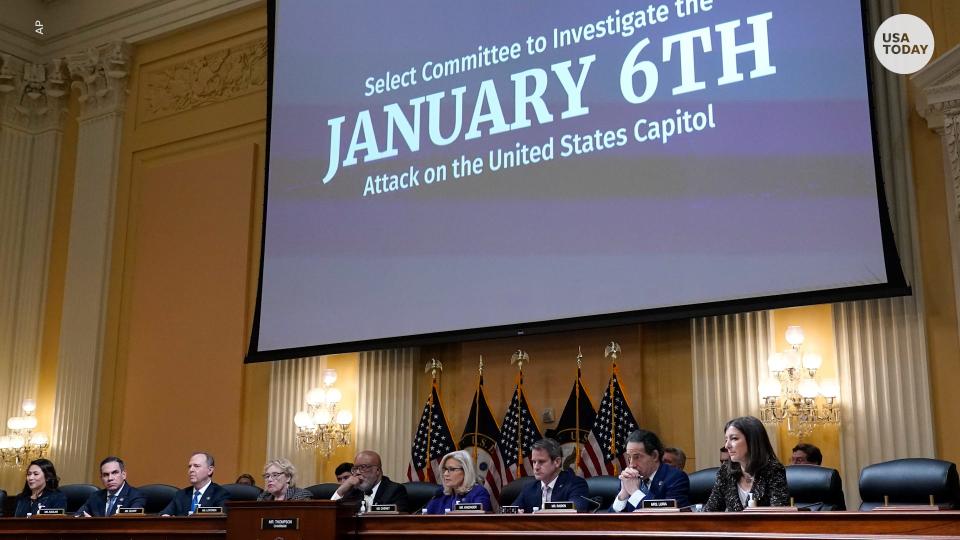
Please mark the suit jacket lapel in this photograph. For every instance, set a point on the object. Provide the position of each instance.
(205, 498)
(121, 495)
(378, 496)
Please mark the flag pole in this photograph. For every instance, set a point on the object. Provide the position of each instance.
(519, 357)
(476, 409)
(433, 367)
(611, 351)
(576, 445)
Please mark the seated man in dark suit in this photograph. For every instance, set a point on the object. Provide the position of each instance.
(554, 483)
(202, 490)
(117, 493)
(647, 476)
(369, 486)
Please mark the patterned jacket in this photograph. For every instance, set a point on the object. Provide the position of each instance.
(769, 488)
(292, 494)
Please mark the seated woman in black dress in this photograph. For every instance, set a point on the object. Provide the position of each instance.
(40, 489)
(753, 476)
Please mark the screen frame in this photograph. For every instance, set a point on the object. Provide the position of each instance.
(896, 284)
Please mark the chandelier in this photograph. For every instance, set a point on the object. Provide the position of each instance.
(322, 427)
(792, 395)
(21, 445)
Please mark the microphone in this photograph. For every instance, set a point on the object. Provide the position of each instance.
(594, 502)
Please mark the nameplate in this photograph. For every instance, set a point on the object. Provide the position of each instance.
(206, 510)
(907, 508)
(383, 508)
(773, 509)
(658, 503)
(509, 509)
(290, 524)
(50, 512)
(129, 511)
(558, 507)
(468, 508)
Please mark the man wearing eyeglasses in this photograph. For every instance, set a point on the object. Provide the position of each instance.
(369, 486)
(647, 476)
(202, 490)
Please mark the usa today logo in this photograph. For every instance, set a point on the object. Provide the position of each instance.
(903, 44)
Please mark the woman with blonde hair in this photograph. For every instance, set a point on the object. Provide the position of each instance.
(459, 485)
(279, 478)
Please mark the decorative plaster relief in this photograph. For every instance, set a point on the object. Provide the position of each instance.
(99, 74)
(212, 78)
(937, 100)
(951, 134)
(32, 95)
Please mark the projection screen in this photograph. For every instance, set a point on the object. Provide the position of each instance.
(450, 170)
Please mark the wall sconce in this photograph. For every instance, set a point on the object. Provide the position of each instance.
(322, 427)
(791, 393)
(22, 445)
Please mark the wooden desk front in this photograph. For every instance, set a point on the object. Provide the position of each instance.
(132, 527)
(325, 520)
(741, 525)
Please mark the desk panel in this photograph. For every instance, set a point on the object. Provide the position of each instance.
(740, 525)
(129, 527)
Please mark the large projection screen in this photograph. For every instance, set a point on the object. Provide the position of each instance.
(447, 170)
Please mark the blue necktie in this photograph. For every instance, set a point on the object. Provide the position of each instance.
(111, 500)
(645, 487)
(196, 501)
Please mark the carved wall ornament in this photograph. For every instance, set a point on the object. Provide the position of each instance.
(212, 78)
(100, 74)
(32, 96)
(951, 134)
(937, 100)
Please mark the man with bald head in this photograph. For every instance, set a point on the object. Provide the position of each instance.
(369, 485)
(202, 490)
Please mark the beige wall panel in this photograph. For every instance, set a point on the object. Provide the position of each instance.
(667, 380)
(187, 310)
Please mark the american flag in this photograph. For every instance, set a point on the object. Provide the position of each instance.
(613, 424)
(581, 451)
(518, 432)
(432, 441)
(480, 436)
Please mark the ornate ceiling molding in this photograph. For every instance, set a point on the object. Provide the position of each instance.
(76, 25)
(32, 96)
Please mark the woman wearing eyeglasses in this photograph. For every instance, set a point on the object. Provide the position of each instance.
(460, 485)
(278, 478)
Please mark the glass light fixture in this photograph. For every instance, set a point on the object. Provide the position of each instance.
(21, 445)
(791, 394)
(794, 336)
(322, 427)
